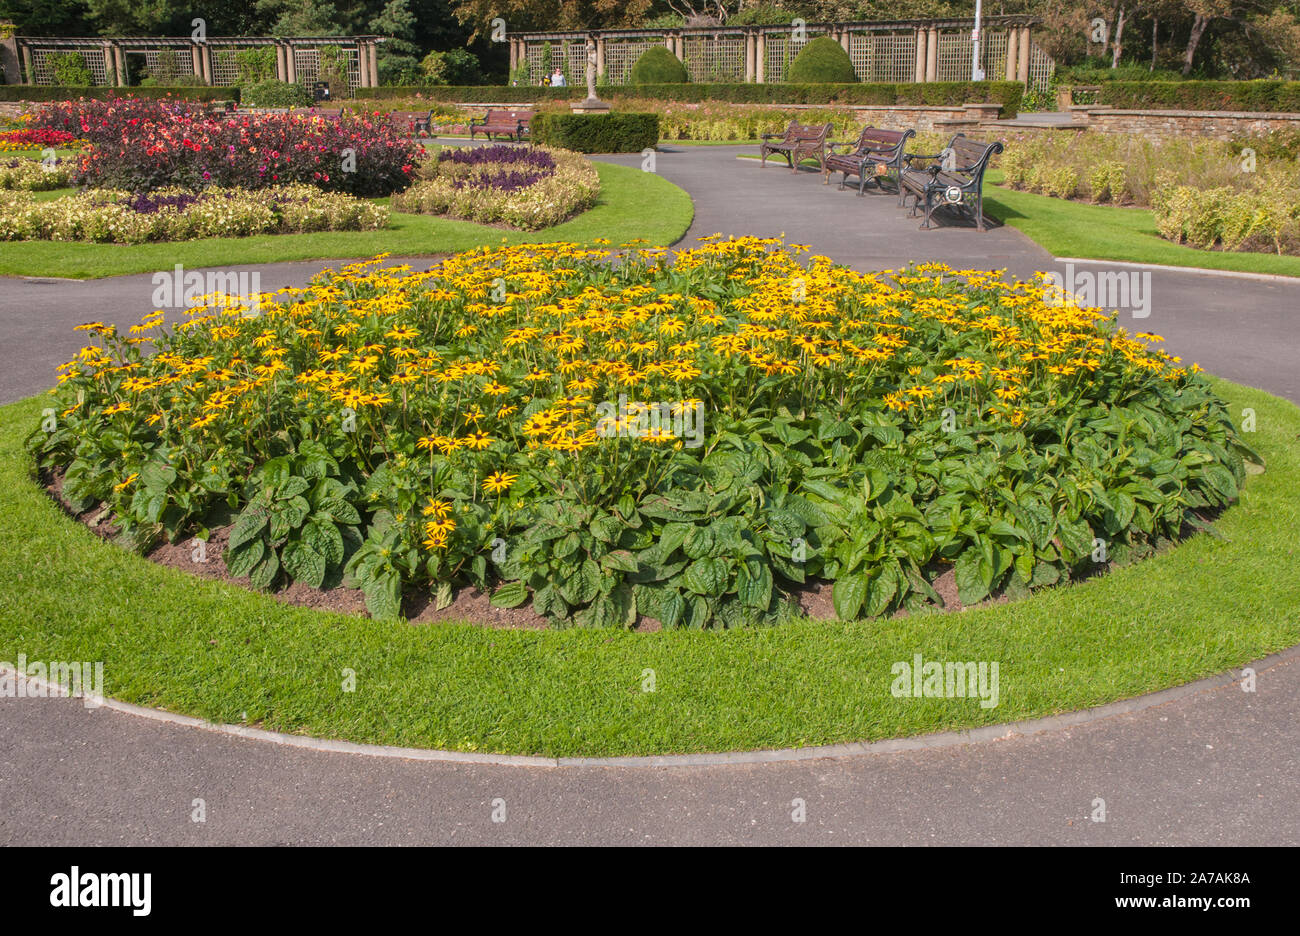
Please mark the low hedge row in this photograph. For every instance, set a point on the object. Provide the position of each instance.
(1275, 96)
(603, 133)
(1006, 93)
(100, 93)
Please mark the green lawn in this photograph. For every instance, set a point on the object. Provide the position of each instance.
(1107, 232)
(172, 641)
(632, 204)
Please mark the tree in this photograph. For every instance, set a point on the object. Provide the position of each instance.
(398, 58)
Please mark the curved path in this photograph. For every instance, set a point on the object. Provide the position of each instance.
(1217, 766)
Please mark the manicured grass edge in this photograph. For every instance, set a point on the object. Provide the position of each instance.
(215, 651)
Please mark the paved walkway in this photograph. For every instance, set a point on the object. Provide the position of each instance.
(1217, 767)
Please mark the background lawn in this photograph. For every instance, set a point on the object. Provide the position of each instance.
(632, 204)
(1108, 232)
(203, 648)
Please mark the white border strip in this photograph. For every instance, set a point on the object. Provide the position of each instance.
(784, 755)
(1201, 271)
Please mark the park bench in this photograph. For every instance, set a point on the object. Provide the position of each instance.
(798, 141)
(957, 180)
(511, 123)
(413, 121)
(875, 153)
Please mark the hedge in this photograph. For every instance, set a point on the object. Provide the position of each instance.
(99, 93)
(597, 133)
(1275, 96)
(823, 61)
(1005, 93)
(658, 66)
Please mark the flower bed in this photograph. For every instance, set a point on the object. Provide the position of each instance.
(136, 144)
(31, 175)
(480, 423)
(37, 138)
(109, 216)
(531, 188)
(1206, 193)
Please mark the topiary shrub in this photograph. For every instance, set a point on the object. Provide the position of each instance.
(658, 66)
(822, 61)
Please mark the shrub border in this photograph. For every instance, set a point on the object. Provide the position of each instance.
(932, 93)
(44, 93)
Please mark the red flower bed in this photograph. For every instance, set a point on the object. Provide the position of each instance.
(35, 138)
(141, 145)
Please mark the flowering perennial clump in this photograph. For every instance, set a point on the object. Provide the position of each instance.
(141, 145)
(116, 217)
(528, 188)
(426, 430)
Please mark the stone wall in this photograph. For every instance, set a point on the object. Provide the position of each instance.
(1223, 125)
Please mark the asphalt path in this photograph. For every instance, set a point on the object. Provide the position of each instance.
(1218, 766)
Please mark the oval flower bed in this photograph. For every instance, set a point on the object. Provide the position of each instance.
(107, 216)
(689, 441)
(526, 188)
(31, 175)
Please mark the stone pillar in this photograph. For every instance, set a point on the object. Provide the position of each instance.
(932, 54)
(514, 55)
(1023, 69)
(110, 73)
(196, 60)
(920, 54)
(120, 58)
(374, 64)
(760, 57)
(281, 70)
(27, 65)
(845, 41)
(205, 59)
(10, 60)
(290, 66)
(680, 51)
(749, 58)
(1013, 52)
(600, 57)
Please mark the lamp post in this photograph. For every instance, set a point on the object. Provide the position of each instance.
(976, 73)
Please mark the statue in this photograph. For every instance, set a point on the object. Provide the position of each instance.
(593, 104)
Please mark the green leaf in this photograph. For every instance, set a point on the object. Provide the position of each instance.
(442, 596)
(303, 563)
(880, 592)
(340, 511)
(249, 525)
(264, 573)
(707, 576)
(510, 595)
(384, 596)
(754, 584)
(974, 573)
(620, 560)
(698, 542)
(241, 559)
(847, 595)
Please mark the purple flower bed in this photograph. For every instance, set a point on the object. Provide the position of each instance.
(500, 154)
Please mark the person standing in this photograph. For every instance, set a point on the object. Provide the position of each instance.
(557, 78)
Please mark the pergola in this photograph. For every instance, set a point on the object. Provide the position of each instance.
(297, 59)
(888, 51)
